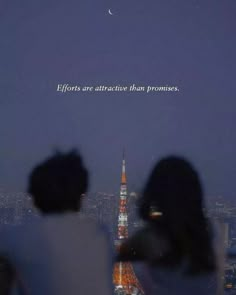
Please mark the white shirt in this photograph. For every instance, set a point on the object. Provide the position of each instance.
(64, 254)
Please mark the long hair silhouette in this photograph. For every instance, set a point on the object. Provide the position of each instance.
(172, 203)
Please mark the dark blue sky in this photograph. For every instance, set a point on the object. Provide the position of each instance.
(186, 43)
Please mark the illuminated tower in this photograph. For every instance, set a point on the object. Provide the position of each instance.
(124, 278)
(123, 216)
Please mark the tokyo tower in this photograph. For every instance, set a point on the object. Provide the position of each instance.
(124, 278)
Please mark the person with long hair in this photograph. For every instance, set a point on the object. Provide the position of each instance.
(176, 244)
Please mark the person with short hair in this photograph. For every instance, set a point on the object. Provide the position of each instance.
(61, 252)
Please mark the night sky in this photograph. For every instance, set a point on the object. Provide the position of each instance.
(189, 44)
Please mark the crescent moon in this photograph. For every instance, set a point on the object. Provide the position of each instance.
(109, 11)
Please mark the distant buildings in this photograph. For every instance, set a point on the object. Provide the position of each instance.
(15, 207)
(224, 214)
(102, 207)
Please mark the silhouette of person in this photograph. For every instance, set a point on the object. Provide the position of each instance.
(175, 247)
(61, 252)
